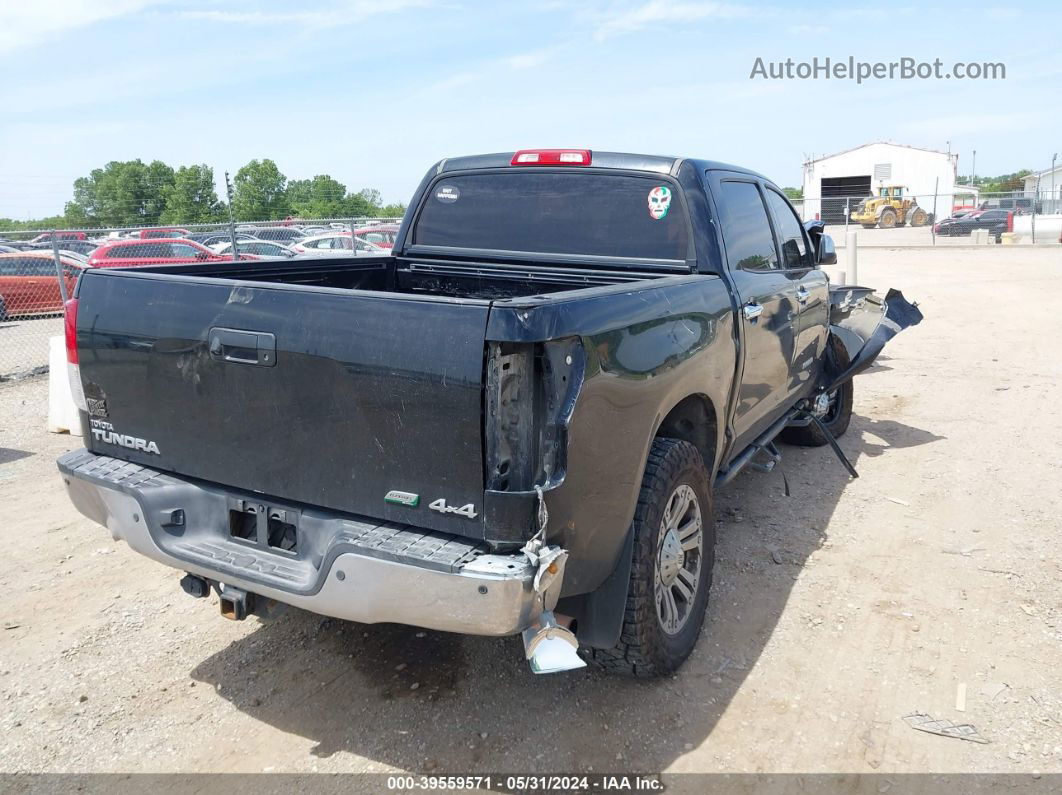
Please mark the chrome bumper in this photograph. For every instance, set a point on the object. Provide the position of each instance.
(357, 570)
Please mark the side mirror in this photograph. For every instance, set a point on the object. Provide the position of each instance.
(825, 252)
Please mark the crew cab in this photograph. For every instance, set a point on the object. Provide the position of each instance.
(512, 423)
(153, 252)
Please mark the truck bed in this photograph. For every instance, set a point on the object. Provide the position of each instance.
(435, 277)
(328, 383)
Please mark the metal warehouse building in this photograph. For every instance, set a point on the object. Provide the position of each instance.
(857, 173)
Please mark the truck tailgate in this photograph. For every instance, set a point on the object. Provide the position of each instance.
(322, 396)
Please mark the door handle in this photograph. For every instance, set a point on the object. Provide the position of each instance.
(802, 294)
(243, 347)
(752, 310)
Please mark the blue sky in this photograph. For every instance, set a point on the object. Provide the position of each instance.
(374, 91)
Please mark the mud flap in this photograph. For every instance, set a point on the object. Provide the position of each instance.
(899, 313)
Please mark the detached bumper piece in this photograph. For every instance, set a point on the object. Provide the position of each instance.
(351, 568)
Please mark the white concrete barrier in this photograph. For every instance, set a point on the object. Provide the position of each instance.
(62, 413)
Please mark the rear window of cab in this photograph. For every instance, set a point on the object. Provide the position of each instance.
(556, 212)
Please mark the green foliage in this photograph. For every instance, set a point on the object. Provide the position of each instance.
(793, 194)
(258, 192)
(128, 194)
(1004, 183)
(121, 193)
(320, 197)
(191, 199)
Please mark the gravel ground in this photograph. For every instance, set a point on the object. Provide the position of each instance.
(24, 345)
(835, 612)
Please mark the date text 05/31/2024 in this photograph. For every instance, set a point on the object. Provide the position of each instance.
(527, 783)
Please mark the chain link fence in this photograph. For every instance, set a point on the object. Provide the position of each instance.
(894, 217)
(38, 268)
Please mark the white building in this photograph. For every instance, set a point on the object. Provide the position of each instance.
(1047, 187)
(847, 177)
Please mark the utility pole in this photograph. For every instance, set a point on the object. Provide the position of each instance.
(232, 220)
(1054, 197)
(973, 168)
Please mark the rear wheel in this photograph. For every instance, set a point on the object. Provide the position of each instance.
(887, 219)
(919, 217)
(671, 571)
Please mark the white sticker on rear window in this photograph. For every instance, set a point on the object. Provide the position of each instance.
(659, 201)
(447, 194)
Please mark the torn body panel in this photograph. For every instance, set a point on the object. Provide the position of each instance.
(865, 323)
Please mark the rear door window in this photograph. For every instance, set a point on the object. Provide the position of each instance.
(746, 229)
(570, 212)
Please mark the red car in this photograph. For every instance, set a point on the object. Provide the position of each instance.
(382, 235)
(29, 285)
(167, 232)
(47, 237)
(123, 253)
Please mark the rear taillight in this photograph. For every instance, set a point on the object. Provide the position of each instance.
(551, 157)
(73, 370)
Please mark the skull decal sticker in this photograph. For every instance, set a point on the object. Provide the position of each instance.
(659, 201)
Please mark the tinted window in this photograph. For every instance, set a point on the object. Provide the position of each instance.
(37, 266)
(790, 232)
(746, 230)
(566, 212)
(182, 250)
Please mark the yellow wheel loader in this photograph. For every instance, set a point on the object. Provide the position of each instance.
(890, 208)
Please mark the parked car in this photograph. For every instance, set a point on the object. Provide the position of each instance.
(210, 239)
(168, 233)
(47, 237)
(29, 285)
(995, 221)
(261, 248)
(80, 246)
(1019, 205)
(8, 249)
(955, 216)
(335, 244)
(514, 425)
(380, 235)
(143, 252)
(280, 234)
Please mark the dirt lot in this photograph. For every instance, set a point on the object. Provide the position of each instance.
(835, 611)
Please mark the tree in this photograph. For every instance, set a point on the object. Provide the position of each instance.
(793, 194)
(122, 193)
(320, 197)
(396, 210)
(259, 192)
(191, 199)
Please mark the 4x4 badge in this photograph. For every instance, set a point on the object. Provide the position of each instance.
(402, 498)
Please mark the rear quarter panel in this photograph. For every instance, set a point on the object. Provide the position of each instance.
(647, 348)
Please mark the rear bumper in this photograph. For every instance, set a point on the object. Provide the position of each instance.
(345, 567)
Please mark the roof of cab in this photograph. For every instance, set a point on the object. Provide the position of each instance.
(627, 161)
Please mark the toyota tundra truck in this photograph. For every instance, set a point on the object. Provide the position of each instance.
(513, 423)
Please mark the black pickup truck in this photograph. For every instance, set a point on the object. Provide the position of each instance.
(512, 424)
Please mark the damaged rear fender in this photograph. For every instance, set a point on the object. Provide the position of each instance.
(864, 323)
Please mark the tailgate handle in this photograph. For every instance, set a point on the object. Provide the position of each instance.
(243, 347)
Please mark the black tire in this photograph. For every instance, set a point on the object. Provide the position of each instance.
(3, 310)
(646, 649)
(887, 219)
(837, 418)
